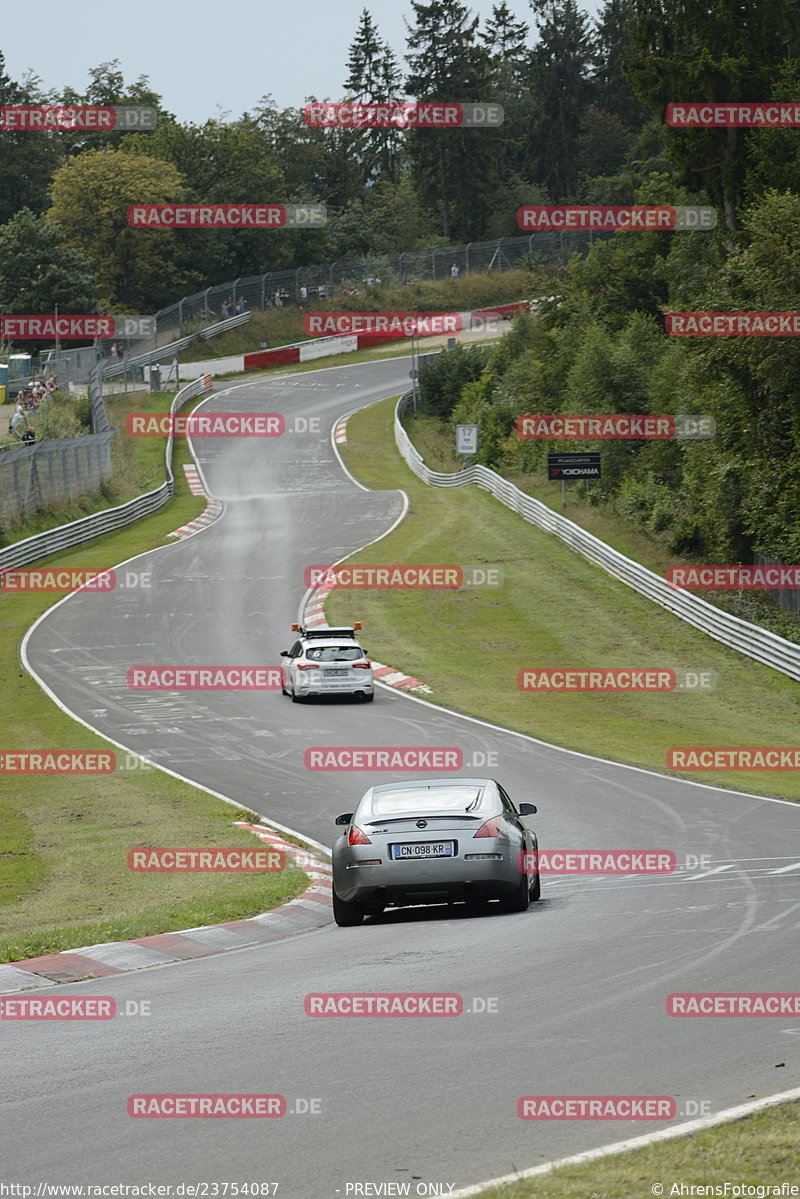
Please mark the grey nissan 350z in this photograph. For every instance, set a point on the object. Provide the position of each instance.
(429, 841)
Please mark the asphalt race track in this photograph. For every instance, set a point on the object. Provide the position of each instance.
(580, 980)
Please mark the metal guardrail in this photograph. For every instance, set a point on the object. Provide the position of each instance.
(118, 366)
(88, 527)
(500, 254)
(748, 639)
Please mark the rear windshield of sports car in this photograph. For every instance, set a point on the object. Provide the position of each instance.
(438, 799)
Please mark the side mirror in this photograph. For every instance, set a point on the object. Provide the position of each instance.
(284, 653)
(527, 809)
(345, 818)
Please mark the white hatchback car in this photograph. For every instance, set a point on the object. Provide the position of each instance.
(327, 662)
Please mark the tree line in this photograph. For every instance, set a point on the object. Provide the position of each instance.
(600, 344)
(571, 123)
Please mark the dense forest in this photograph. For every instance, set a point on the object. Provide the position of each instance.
(584, 103)
(573, 129)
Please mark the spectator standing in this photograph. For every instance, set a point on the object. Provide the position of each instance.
(17, 420)
(455, 271)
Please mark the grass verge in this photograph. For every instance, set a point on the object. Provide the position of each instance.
(554, 610)
(435, 440)
(64, 839)
(137, 465)
(284, 326)
(757, 1151)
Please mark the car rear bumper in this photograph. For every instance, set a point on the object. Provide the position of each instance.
(335, 687)
(439, 880)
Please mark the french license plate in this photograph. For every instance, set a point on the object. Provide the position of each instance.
(423, 849)
(334, 674)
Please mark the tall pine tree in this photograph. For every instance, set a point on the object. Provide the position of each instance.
(505, 38)
(509, 55)
(560, 82)
(455, 169)
(374, 76)
(612, 92)
(718, 51)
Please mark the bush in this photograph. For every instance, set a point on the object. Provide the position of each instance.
(58, 416)
(83, 412)
(442, 378)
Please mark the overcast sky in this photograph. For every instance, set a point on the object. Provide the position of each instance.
(207, 57)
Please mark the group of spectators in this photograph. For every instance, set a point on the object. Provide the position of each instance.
(29, 400)
(281, 297)
(312, 293)
(230, 307)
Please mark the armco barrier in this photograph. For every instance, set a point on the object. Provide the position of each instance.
(281, 356)
(748, 639)
(322, 347)
(89, 527)
(114, 367)
(501, 254)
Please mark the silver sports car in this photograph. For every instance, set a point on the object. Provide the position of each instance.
(433, 841)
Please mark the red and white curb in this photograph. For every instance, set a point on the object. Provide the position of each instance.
(212, 511)
(396, 678)
(308, 911)
(340, 431)
(193, 479)
(314, 618)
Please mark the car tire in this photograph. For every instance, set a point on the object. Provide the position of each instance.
(536, 890)
(347, 914)
(296, 699)
(519, 898)
(367, 699)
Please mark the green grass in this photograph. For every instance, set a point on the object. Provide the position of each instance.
(554, 610)
(284, 326)
(64, 880)
(137, 465)
(757, 1150)
(435, 440)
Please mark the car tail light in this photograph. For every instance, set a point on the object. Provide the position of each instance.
(360, 665)
(307, 665)
(356, 837)
(490, 829)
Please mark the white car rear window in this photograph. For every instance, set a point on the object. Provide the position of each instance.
(437, 799)
(334, 653)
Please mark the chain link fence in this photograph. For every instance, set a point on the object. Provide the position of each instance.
(208, 311)
(46, 472)
(40, 545)
(329, 280)
(59, 468)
